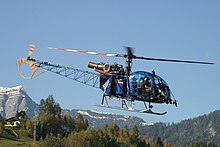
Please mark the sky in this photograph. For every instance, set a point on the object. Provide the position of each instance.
(173, 29)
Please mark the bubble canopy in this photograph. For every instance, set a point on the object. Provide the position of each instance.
(145, 85)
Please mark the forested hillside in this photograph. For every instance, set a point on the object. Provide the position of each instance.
(51, 128)
(204, 128)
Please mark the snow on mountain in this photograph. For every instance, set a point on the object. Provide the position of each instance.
(11, 89)
(99, 119)
(87, 114)
(14, 99)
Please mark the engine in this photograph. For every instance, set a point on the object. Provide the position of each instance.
(105, 67)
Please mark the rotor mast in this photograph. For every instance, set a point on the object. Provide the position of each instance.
(128, 66)
(129, 57)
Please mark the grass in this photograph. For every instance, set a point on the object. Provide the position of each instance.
(8, 138)
(15, 142)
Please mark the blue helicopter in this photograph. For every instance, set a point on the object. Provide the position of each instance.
(117, 82)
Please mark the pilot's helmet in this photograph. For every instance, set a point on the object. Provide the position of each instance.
(142, 81)
(147, 80)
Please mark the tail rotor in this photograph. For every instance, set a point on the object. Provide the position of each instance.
(29, 61)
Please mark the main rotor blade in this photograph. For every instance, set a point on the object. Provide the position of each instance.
(86, 52)
(131, 55)
(173, 60)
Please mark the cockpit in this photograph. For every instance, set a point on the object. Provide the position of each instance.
(145, 85)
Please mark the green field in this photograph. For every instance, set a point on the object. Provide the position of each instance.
(5, 142)
(14, 138)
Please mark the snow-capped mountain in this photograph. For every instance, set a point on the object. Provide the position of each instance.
(99, 119)
(16, 99)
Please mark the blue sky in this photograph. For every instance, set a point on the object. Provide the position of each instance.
(165, 29)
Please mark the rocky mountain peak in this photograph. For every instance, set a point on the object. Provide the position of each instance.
(13, 99)
(11, 89)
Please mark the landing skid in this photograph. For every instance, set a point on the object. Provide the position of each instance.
(127, 105)
(149, 111)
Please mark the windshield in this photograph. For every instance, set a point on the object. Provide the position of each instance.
(148, 85)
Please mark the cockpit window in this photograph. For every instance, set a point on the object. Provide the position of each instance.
(148, 85)
(161, 89)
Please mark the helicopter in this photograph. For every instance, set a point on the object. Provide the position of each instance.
(117, 82)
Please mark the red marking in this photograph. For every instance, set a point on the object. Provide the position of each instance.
(102, 72)
(32, 45)
(35, 68)
(102, 54)
(60, 49)
(120, 82)
(32, 65)
(18, 61)
(81, 51)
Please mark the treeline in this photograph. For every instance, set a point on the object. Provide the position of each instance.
(53, 129)
(50, 128)
(203, 130)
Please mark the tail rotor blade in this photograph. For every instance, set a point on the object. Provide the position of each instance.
(31, 48)
(33, 66)
(21, 60)
(31, 63)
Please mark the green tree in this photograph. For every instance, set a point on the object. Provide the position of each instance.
(124, 137)
(159, 142)
(49, 106)
(76, 139)
(50, 121)
(92, 137)
(134, 132)
(111, 132)
(134, 137)
(81, 124)
(49, 124)
(148, 141)
(68, 125)
(29, 125)
(124, 133)
(103, 138)
(52, 141)
(1, 128)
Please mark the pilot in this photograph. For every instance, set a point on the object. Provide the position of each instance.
(147, 86)
(134, 84)
(141, 86)
(161, 90)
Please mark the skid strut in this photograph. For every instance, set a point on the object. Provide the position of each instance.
(126, 105)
